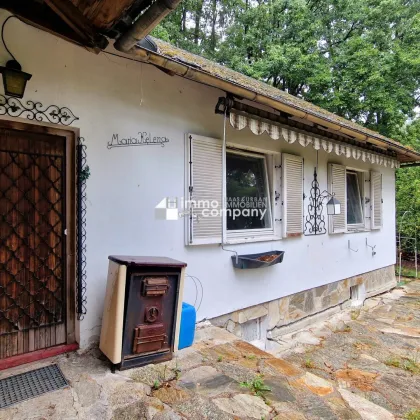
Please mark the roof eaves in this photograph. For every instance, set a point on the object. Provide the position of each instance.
(201, 65)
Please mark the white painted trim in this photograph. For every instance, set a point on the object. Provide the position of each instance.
(249, 235)
(186, 189)
(179, 309)
(113, 314)
(360, 192)
(253, 239)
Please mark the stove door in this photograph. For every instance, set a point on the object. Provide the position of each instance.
(150, 313)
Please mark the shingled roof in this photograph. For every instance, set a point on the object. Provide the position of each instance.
(191, 66)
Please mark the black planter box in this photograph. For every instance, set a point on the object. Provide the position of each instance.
(251, 260)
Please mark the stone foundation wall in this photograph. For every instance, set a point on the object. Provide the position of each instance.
(271, 316)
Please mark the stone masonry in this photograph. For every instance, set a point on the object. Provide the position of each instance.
(282, 315)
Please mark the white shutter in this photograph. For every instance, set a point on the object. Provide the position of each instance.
(292, 178)
(204, 179)
(338, 187)
(376, 200)
(276, 195)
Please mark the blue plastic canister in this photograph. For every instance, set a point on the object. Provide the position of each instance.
(187, 330)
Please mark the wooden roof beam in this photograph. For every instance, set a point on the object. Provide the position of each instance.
(82, 27)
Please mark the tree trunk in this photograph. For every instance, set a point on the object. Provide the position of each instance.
(213, 26)
(183, 19)
(198, 14)
(246, 27)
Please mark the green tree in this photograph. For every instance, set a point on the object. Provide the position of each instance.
(359, 58)
(408, 186)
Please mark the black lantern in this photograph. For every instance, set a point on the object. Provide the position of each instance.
(14, 79)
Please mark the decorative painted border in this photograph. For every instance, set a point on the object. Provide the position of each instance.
(82, 176)
(36, 111)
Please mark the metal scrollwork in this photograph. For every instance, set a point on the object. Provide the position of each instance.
(315, 220)
(36, 111)
(82, 176)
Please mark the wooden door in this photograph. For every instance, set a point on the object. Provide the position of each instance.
(32, 241)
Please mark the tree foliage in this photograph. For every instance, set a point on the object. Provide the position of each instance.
(408, 187)
(357, 58)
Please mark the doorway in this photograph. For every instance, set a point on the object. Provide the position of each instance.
(37, 238)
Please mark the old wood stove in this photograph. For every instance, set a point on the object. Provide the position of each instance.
(142, 310)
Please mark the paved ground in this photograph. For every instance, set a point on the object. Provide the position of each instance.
(358, 365)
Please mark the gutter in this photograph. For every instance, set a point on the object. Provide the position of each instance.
(410, 165)
(145, 24)
(188, 72)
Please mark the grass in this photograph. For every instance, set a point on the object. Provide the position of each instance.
(405, 363)
(220, 359)
(355, 315)
(309, 364)
(339, 329)
(393, 361)
(176, 370)
(257, 386)
(156, 385)
(413, 415)
(411, 365)
(251, 357)
(347, 329)
(406, 272)
(359, 345)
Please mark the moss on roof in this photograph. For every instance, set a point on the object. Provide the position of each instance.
(214, 69)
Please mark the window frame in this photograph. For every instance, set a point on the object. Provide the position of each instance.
(361, 178)
(253, 235)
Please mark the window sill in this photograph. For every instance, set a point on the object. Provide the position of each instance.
(231, 241)
(358, 230)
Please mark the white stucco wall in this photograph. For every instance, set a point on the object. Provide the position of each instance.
(113, 95)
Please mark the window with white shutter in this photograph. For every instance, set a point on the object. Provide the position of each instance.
(376, 199)
(337, 186)
(355, 200)
(204, 192)
(292, 188)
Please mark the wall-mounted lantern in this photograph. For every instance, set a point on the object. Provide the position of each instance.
(333, 206)
(14, 79)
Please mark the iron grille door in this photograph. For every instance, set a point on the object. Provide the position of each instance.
(32, 242)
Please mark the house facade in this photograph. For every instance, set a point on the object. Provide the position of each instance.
(155, 144)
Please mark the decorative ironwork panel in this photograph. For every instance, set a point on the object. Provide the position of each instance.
(315, 219)
(36, 111)
(82, 176)
(32, 244)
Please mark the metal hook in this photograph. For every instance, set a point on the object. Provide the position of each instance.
(372, 247)
(351, 249)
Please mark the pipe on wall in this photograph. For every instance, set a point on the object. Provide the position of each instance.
(145, 24)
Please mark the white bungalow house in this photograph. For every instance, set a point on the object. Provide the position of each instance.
(146, 112)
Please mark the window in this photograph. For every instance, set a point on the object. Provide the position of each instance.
(354, 185)
(248, 204)
(349, 187)
(240, 195)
